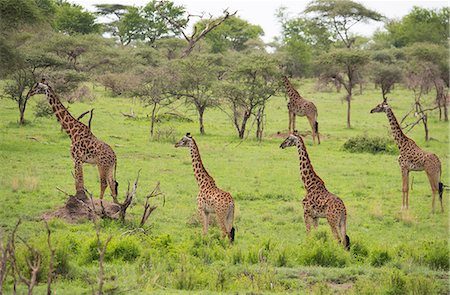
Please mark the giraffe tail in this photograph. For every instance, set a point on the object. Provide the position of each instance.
(343, 229)
(316, 127)
(229, 221)
(441, 190)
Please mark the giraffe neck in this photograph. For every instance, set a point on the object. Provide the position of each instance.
(204, 180)
(62, 114)
(309, 177)
(400, 138)
(291, 91)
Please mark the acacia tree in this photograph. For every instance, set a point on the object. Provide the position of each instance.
(350, 62)
(250, 81)
(386, 70)
(339, 16)
(152, 91)
(196, 76)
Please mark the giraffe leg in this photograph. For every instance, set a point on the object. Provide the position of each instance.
(312, 122)
(229, 222)
(204, 216)
(293, 121)
(103, 182)
(79, 182)
(290, 122)
(434, 183)
(308, 221)
(315, 222)
(112, 183)
(405, 189)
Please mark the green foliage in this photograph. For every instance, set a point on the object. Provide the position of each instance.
(379, 257)
(340, 15)
(232, 34)
(373, 145)
(71, 19)
(43, 109)
(16, 13)
(319, 249)
(125, 249)
(420, 25)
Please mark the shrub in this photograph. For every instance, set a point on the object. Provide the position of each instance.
(43, 109)
(437, 255)
(319, 249)
(126, 249)
(379, 257)
(359, 251)
(165, 134)
(397, 283)
(365, 144)
(82, 93)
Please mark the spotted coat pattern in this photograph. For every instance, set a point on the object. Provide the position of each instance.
(412, 158)
(298, 106)
(318, 202)
(210, 198)
(85, 147)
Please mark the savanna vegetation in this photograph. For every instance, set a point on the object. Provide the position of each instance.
(153, 73)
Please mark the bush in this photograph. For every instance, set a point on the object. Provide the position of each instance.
(82, 93)
(397, 283)
(125, 249)
(379, 257)
(319, 249)
(374, 145)
(437, 255)
(43, 109)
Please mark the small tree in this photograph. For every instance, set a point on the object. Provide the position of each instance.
(340, 16)
(153, 91)
(249, 83)
(196, 76)
(350, 62)
(386, 70)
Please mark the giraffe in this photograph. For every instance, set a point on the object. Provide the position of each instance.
(413, 158)
(210, 198)
(298, 106)
(85, 147)
(318, 202)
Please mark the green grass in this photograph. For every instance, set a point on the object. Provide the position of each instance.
(393, 252)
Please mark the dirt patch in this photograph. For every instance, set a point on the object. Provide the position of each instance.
(80, 208)
(343, 286)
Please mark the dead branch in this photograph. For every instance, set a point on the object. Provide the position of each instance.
(3, 261)
(130, 115)
(194, 37)
(51, 270)
(34, 263)
(11, 247)
(84, 114)
(101, 252)
(128, 198)
(149, 209)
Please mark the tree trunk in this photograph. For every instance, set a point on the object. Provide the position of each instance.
(445, 112)
(349, 99)
(260, 124)
(200, 120)
(243, 125)
(153, 120)
(425, 125)
(22, 106)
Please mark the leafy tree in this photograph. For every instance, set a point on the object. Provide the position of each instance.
(386, 70)
(250, 81)
(420, 25)
(350, 62)
(29, 65)
(72, 19)
(339, 16)
(148, 23)
(196, 76)
(153, 91)
(232, 34)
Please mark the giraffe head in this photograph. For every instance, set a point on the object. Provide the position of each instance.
(186, 141)
(381, 108)
(291, 140)
(38, 88)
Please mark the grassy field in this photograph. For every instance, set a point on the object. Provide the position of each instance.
(392, 252)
